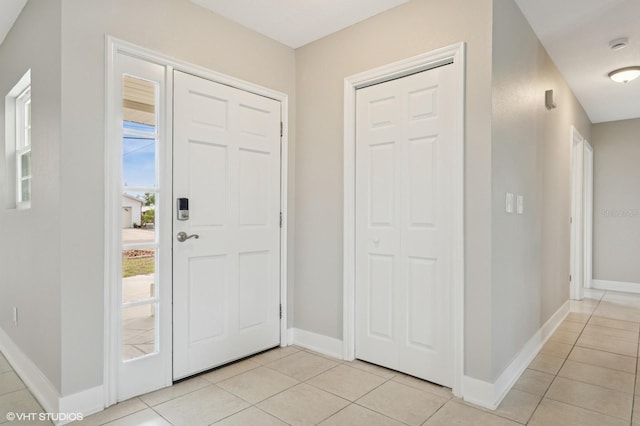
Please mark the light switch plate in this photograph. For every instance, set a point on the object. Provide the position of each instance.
(509, 203)
(520, 204)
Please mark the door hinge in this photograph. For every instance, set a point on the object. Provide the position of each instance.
(281, 129)
(570, 220)
(280, 219)
(570, 278)
(281, 311)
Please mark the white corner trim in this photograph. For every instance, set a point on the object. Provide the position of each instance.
(490, 395)
(316, 342)
(86, 402)
(616, 286)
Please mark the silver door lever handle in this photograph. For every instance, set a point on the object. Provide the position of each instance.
(182, 236)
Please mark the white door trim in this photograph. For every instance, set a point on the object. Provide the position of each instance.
(454, 55)
(588, 215)
(112, 220)
(577, 225)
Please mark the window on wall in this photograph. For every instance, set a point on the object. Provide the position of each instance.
(18, 143)
(23, 147)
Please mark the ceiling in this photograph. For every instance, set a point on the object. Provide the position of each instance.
(9, 11)
(576, 33)
(294, 22)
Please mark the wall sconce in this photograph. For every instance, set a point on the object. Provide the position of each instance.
(625, 75)
(549, 100)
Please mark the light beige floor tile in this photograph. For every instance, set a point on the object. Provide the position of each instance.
(230, 370)
(274, 354)
(202, 407)
(303, 405)
(114, 412)
(603, 359)
(458, 414)
(636, 409)
(10, 382)
(574, 327)
(252, 416)
(562, 336)
(534, 382)
(355, 415)
(518, 405)
(4, 365)
(258, 384)
(629, 300)
(617, 311)
(179, 389)
(598, 330)
(608, 344)
(420, 384)
(600, 376)
(329, 357)
(347, 382)
(557, 349)
(372, 368)
(146, 417)
(611, 323)
(591, 397)
(18, 402)
(302, 365)
(579, 317)
(401, 402)
(546, 363)
(553, 413)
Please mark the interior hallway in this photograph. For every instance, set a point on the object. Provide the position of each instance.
(586, 374)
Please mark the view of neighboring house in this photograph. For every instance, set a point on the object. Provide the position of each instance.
(131, 211)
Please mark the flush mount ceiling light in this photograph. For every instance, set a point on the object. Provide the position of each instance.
(625, 75)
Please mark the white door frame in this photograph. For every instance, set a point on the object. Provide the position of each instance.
(581, 246)
(455, 56)
(588, 215)
(112, 331)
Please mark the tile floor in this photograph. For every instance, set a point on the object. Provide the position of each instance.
(586, 374)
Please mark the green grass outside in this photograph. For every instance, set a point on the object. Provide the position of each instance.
(137, 266)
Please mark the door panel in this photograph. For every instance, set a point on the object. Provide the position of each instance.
(227, 281)
(404, 230)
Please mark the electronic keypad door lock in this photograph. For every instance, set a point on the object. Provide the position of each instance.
(182, 206)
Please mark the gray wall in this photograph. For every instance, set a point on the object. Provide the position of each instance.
(616, 210)
(416, 27)
(30, 240)
(530, 157)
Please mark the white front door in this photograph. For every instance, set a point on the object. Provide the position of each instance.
(226, 284)
(404, 225)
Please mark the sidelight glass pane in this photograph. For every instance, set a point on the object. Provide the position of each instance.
(138, 275)
(138, 217)
(138, 331)
(139, 142)
(138, 159)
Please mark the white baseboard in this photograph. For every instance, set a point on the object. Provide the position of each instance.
(85, 402)
(490, 395)
(316, 342)
(616, 286)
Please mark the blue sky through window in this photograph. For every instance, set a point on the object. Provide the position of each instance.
(138, 155)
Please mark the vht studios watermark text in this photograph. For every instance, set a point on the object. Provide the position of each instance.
(43, 417)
